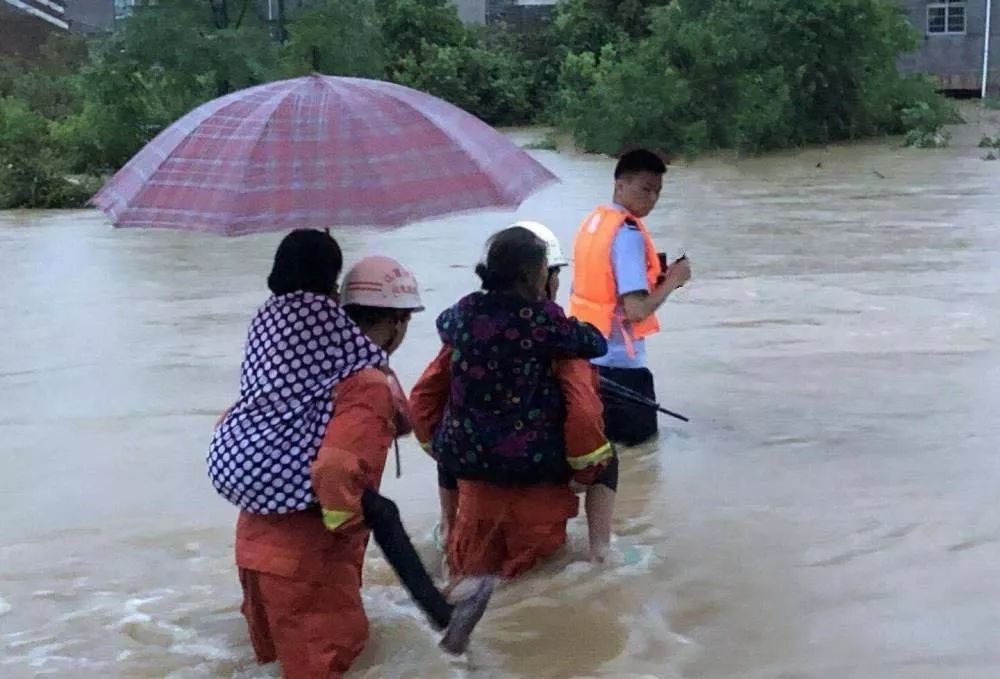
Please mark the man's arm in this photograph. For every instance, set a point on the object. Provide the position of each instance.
(429, 398)
(639, 305)
(354, 448)
(587, 449)
(628, 259)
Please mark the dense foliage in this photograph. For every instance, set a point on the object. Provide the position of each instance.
(685, 76)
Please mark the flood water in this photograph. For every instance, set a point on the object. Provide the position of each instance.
(830, 511)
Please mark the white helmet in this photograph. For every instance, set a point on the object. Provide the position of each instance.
(381, 282)
(553, 250)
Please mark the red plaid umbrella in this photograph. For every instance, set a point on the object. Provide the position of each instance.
(318, 152)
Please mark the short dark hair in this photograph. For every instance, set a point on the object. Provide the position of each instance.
(367, 316)
(307, 260)
(511, 256)
(639, 160)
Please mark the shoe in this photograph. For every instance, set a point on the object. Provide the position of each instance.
(466, 616)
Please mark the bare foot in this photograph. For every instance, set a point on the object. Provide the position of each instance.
(599, 554)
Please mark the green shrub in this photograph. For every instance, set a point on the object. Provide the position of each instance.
(31, 175)
(751, 75)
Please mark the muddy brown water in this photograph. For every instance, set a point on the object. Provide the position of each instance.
(830, 511)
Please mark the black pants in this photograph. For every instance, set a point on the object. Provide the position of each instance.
(382, 516)
(609, 475)
(626, 422)
(446, 479)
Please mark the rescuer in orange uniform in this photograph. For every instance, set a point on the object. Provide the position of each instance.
(588, 453)
(302, 454)
(493, 411)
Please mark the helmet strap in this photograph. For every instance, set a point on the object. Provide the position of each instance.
(394, 334)
(553, 271)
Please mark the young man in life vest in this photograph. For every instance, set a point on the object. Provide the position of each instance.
(619, 281)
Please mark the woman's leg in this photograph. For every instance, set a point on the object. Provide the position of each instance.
(460, 619)
(448, 497)
(600, 506)
(382, 516)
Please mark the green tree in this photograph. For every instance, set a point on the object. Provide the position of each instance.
(166, 60)
(492, 85)
(409, 26)
(428, 48)
(589, 25)
(47, 83)
(31, 174)
(535, 58)
(336, 37)
(751, 75)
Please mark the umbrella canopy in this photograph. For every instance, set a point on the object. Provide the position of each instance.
(317, 152)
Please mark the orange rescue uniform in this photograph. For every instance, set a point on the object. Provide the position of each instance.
(507, 530)
(301, 572)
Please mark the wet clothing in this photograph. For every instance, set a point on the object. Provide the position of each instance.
(284, 615)
(587, 449)
(446, 479)
(504, 416)
(301, 571)
(626, 422)
(628, 259)
(382, 515)
(507, 531)
(614, 256)
(609, 475)
(299, 348)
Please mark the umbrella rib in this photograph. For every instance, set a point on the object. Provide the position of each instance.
(328, 84)
(234, 99)
(108, 196)
(388, 91)
(273, 103)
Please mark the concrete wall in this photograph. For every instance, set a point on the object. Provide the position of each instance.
(955, 60)
(519, 13)
(515, 12)
(90, 16)
(472, 11)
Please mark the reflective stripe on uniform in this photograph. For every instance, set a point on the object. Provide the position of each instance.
(590, 459)
(335, 518)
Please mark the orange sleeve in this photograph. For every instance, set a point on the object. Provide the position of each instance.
(587, 449)
(430, 396)
(352, 455)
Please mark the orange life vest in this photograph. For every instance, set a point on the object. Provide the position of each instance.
(594, 297)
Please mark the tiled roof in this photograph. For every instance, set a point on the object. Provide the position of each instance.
(50, 11)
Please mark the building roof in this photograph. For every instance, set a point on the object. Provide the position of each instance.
(50, 11)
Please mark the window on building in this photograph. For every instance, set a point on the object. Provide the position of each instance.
(947, 17)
